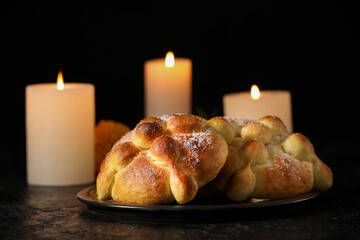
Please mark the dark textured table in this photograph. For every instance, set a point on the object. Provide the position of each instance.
(29, 212)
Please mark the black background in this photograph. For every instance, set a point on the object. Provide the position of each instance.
(309, 49)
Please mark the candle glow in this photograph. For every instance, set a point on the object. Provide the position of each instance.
(255, 92)
(60, 81)
(170, 59)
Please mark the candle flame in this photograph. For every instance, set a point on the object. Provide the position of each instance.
(169, 59)
(255, 92)
(60, 81)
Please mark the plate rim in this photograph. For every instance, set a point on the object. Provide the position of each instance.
(85, 197)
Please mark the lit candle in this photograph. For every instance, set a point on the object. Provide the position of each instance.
(60, 121)
(256, 104)
(167, 85)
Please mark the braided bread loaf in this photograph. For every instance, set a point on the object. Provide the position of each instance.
(162, 159)
(172, 156)
(265, 161)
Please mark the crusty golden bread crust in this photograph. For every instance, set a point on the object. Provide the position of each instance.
(265, 161)
(162, 159)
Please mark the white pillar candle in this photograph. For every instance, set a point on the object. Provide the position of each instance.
(167, 87)
(60, 134)
(276, 102)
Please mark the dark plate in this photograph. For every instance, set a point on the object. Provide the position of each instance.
(201, 208)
